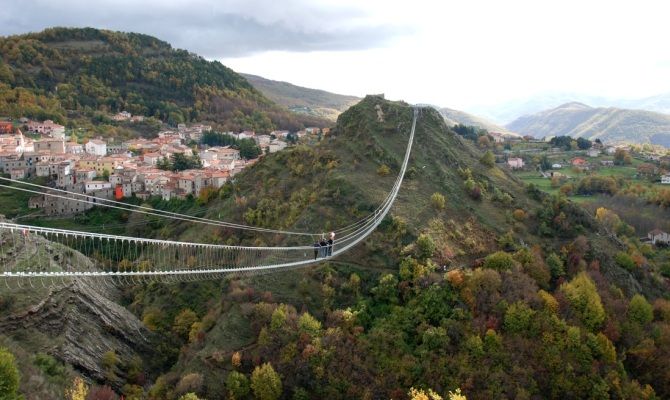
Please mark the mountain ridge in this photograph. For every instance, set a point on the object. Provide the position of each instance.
(611, 124)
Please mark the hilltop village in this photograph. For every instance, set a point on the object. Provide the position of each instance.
(174, 164)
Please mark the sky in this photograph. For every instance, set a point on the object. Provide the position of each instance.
(460, 54)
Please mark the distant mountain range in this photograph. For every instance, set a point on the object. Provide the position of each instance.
(320, 103)
(302, 100)
(506, 112)
(608, 124)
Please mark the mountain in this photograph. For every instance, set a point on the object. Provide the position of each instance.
(608, 124)
(300, 99)
(84, 74)
(453, 117)
(532, 280)
(506, 112)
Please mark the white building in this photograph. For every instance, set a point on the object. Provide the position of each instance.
(658, 236)
(91, 186)
(96, 147)
(556, 166)
(665, 179)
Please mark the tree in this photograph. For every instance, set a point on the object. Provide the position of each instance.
(419, 394)
(309, 324)
(438, 201)
(499, 261)
(266, 383)
(77, 391)
(189, 396)
(484, 142)
(640, 311)
(9, 376)
(583, 144)
(425, 246)
(237, 385)
(249, 149)
(183, 322)
(621, 157)
(585, 300)
(488, 159)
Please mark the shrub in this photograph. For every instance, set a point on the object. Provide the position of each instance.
(383, 170)
(488, 159)
(438, 201)
(519, 214)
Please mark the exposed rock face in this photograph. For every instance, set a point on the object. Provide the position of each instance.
(77, 323)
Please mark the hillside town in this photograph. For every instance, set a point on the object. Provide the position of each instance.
(102, 170)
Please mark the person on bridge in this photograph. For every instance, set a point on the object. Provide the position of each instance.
(317, 249)
(330, 242)
(324, 247)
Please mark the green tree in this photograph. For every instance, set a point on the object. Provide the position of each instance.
(249, 149)
(189, 396)
(237, 385)
(309, 324)
(9, 376)
(640, 311)
(585, 300)
(499, 261)
(488, 159)
(266, 383)
(425, 246)
(555, 266)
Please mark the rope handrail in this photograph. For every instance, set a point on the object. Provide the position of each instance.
(170, 259)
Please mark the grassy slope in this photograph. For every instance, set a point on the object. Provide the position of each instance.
(454, 117)
(311, 101)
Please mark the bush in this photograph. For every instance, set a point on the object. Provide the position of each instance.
(438, 201)
(383, 170)
(499, 261)
(488, 159)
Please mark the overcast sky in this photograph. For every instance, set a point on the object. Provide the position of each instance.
(461, 54)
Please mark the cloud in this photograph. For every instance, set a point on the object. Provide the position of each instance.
(215, 29)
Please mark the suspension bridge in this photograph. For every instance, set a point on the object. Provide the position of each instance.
(32, 256)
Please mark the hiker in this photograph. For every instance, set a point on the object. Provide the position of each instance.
(323, 248)
(331, 240)
(317, 249)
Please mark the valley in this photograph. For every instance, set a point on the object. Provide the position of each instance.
(469, 260)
